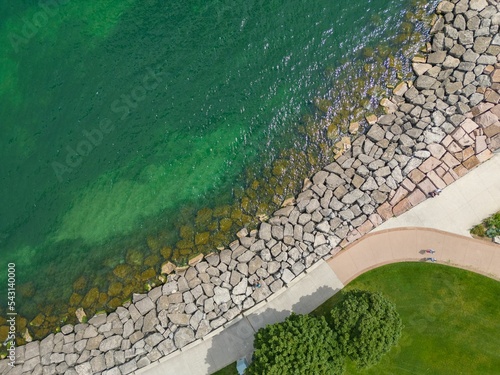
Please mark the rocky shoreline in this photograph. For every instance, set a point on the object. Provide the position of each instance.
(436, 128)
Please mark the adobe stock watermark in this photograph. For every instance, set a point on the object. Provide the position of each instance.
(91, 139)
(10, 342)
(31, 26)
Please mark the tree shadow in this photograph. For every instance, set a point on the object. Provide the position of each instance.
(236, 340)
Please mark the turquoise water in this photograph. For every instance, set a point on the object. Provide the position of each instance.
(118, 115)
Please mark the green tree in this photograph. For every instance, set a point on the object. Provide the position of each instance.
(302, 344)
(367, 326)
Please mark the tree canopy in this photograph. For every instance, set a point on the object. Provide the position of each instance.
(302, 344)
(367, 326)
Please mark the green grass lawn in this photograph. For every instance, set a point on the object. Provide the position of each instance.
(451, 320)
(229, 370)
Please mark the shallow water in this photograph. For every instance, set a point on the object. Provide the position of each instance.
(120, 120)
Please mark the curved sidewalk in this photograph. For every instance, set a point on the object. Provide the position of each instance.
(460, 206)
(409, 244)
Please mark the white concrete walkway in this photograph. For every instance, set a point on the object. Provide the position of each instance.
(226, 345)
(460, 206)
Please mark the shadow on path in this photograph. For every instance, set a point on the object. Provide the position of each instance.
(236, 341)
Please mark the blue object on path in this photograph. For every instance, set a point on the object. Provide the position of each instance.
(241, 365)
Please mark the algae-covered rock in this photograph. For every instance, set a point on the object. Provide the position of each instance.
(279, 189)
(279, 167)
(186, 251)
(75, 299)
(166, 252)
(222, 211)
(367, 52)
(153, 242)
(219, 239)
(150, 273)
(152, 260)
(26, 290)
(103, 298)
(203, 217)
(114, 303)
(332, 131)
(176, 256)
(246, 219)
(202, 238)
(52, 320)
(38, 320)
(236, 214)
(128, 289)
(252, 195)
(322, 104)
(214, 225)
(90, 298)
(21, 323)
(122, 271)
(80, 283)
(184, 244)
(4, 333)
(115, 288)
(134, 257)
(225, 224)
(245, 203)
(186, 232)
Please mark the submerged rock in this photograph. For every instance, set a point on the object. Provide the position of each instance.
(134, 257)
(122, 271)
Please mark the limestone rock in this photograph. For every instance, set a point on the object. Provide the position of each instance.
(183, 336)
(110, 343)
(376, 133)
(425, 82)
(145, 305)
(265, 231)
(221, 295)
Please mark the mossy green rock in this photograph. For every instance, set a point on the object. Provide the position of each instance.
(122, 271)
(134, 257)
(203, 217)
(37, 321)
(225, 224)
(90, 298)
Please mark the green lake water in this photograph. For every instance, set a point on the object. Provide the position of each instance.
(120, 119)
